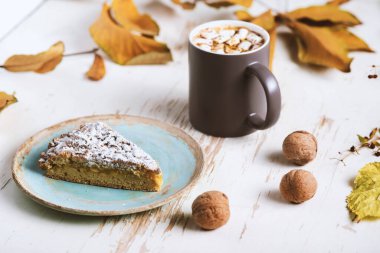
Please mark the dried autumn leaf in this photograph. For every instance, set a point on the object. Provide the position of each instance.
(126, 14)
(320, 46)
(97, 70)
(244, 16)
(324, 14)
(362, 139)
(372, 133)
(337, 2)
(190, 4)
(268, 22)
(6, 100)
(351, 41)
(364, 200)
(41, 63)
(122, 46)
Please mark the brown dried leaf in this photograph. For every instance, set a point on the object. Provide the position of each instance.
(127, 15)
(41, 63)
(337, 2)
(123, 45)
(6, 100)
(268, 22)
(320, 46)
(244, 16)
(97, 70)
(190, 4)
(351, 41)
(372, 133)
(362, 139)
(324, 15)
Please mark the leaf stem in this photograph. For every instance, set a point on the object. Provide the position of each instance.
(94, 50)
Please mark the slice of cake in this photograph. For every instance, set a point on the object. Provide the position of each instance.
(97, 155)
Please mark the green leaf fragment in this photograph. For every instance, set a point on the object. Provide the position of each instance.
(362, 139)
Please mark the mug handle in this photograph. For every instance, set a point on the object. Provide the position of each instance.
(272, 93)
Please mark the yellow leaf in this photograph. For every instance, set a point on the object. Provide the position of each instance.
(225, 3)
(364, 200)
(97, 70)
(244, 16)
(188, 5)
(184, 4)
(268, 22)
(351, 41)
(120, 44)
(272, 46)
(325, 15)
(337, 2)
(6, 100)
(41, 63)
(126, 14)
(320, 46)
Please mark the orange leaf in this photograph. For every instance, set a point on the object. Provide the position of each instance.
(244, 16)
(190, 4)
(268, 22)
(6, 100)
(97, 70)
(320, 46)
(272, 46)
(324, 15)
(122, 45)
(351, 41)
(41, 63)
(126, 14)
(337, 2)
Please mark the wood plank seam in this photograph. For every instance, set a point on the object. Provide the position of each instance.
(23, 20)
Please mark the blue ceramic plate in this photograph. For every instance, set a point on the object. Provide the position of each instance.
(178, 155)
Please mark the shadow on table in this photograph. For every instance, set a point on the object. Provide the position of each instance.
(350, 182)
(278, 157)
(275, 196)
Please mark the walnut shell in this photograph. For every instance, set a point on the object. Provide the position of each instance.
(211, 210)
(300, 147)
(298, 186)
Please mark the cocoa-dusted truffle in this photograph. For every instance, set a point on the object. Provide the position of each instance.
(300, 147)
(211, 210)
(298, 186)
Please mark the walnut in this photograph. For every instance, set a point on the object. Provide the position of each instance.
(211, 210)
(298, 186)
(300, 147)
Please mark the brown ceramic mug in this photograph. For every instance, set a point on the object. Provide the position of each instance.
(232, 94)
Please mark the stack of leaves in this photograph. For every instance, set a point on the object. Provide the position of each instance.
(190, 4)
(364, 201)
(321, 33)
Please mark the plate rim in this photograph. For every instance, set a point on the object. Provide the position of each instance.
(25, 148)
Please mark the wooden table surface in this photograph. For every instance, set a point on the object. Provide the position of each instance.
(332, 105)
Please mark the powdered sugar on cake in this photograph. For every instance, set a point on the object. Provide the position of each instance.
(97, 143)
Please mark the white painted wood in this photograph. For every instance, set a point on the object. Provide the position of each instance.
(14, 13)
(332, 105)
